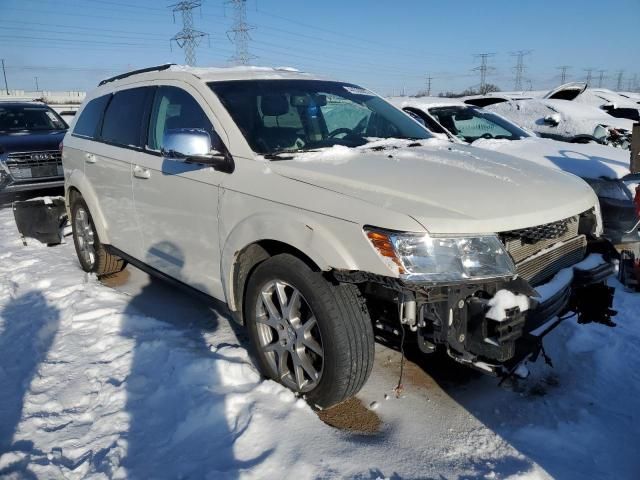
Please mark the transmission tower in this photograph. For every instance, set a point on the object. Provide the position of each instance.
(483, 68)
(519, 68)
(619, 82)
(188, 38)
(601, 77)
(589, 76)
(239, 34)
(563, 72)
(429, 78)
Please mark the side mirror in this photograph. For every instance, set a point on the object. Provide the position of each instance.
(552, 120)
(192, 145)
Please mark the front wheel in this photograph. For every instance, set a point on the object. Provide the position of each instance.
(310, 335)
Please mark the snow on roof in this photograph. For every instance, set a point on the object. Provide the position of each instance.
(425, 103)
(240, 72)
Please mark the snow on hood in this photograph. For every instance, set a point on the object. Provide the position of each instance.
(597, 97)
(583, 160)
(576, 118)
(447, 188)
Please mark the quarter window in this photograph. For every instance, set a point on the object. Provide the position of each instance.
(173, 108)
(125, 117)
(89, 120)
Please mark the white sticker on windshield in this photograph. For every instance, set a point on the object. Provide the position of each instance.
(357, 90)
(51, 116)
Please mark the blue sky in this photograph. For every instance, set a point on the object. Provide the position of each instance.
(387, 46)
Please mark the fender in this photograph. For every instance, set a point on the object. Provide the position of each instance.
(79, 181)
(302, 232)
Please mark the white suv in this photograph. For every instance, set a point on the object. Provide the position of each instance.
(320, 213)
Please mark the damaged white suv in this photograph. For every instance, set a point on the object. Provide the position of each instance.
(320, 214)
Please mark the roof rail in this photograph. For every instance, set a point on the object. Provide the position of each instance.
(158, 68)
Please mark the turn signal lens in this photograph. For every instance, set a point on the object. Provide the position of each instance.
(383, 245)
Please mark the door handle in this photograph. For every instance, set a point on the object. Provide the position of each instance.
(90, 158)
(141, 172)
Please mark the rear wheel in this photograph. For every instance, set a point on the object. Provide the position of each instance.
(308, 334)
(91, 253)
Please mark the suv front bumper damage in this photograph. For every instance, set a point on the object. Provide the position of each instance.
(497, 346)
(457, 316)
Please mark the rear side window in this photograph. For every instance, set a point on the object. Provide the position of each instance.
(87, 123)
(125, 119)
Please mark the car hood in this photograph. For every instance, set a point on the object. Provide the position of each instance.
(446, 188)
(584, 160)
(30, 141)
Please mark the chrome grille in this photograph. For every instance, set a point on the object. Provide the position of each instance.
(40, 164)
(541, 267)
(521, 244)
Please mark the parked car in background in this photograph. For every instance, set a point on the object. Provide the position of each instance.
(30, 135)
(604, 168)
(319, 212)
(555, 115)
(613, 103)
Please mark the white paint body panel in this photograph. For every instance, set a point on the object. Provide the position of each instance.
(318, 207)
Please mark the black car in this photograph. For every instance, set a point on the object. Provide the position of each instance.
(30, 158)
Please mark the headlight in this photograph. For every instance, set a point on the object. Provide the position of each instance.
(427, 258)
(613, 189)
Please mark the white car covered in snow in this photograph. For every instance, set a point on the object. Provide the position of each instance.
(604, 168)
(319, 212)
(555, 115)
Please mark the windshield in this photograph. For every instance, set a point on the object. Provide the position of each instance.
(21, 118)
(470, 124)
(295, 115)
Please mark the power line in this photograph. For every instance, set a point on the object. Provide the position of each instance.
(589, 76)
(620, 75)
(188, 38)
(483, 68)
(239, 33)
(4, 73)
(563, 72)
(519, 68)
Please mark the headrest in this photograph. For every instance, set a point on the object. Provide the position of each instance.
(274, 105)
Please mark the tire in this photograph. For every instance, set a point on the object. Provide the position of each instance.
(342, 330)
(96, 260)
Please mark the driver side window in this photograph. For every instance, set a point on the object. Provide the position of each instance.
(173, 108)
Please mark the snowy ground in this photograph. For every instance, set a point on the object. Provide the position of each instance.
(142, 381)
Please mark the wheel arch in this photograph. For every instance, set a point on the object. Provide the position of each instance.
(257, 239)
(78, 184)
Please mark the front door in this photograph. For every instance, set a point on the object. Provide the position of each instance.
(177, 203)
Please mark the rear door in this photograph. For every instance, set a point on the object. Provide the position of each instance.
(108, 164)
(177, 203)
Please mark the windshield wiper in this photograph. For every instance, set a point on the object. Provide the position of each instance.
(285, 154)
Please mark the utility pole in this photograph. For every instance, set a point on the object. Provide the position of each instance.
(619, 82)
(239, 33)
(188, 38)
(429, 78)
(589, 76)
(483, 68)
(601, 77)
(563, 73)
(37, 86)
(519, 68)
(4, 73)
